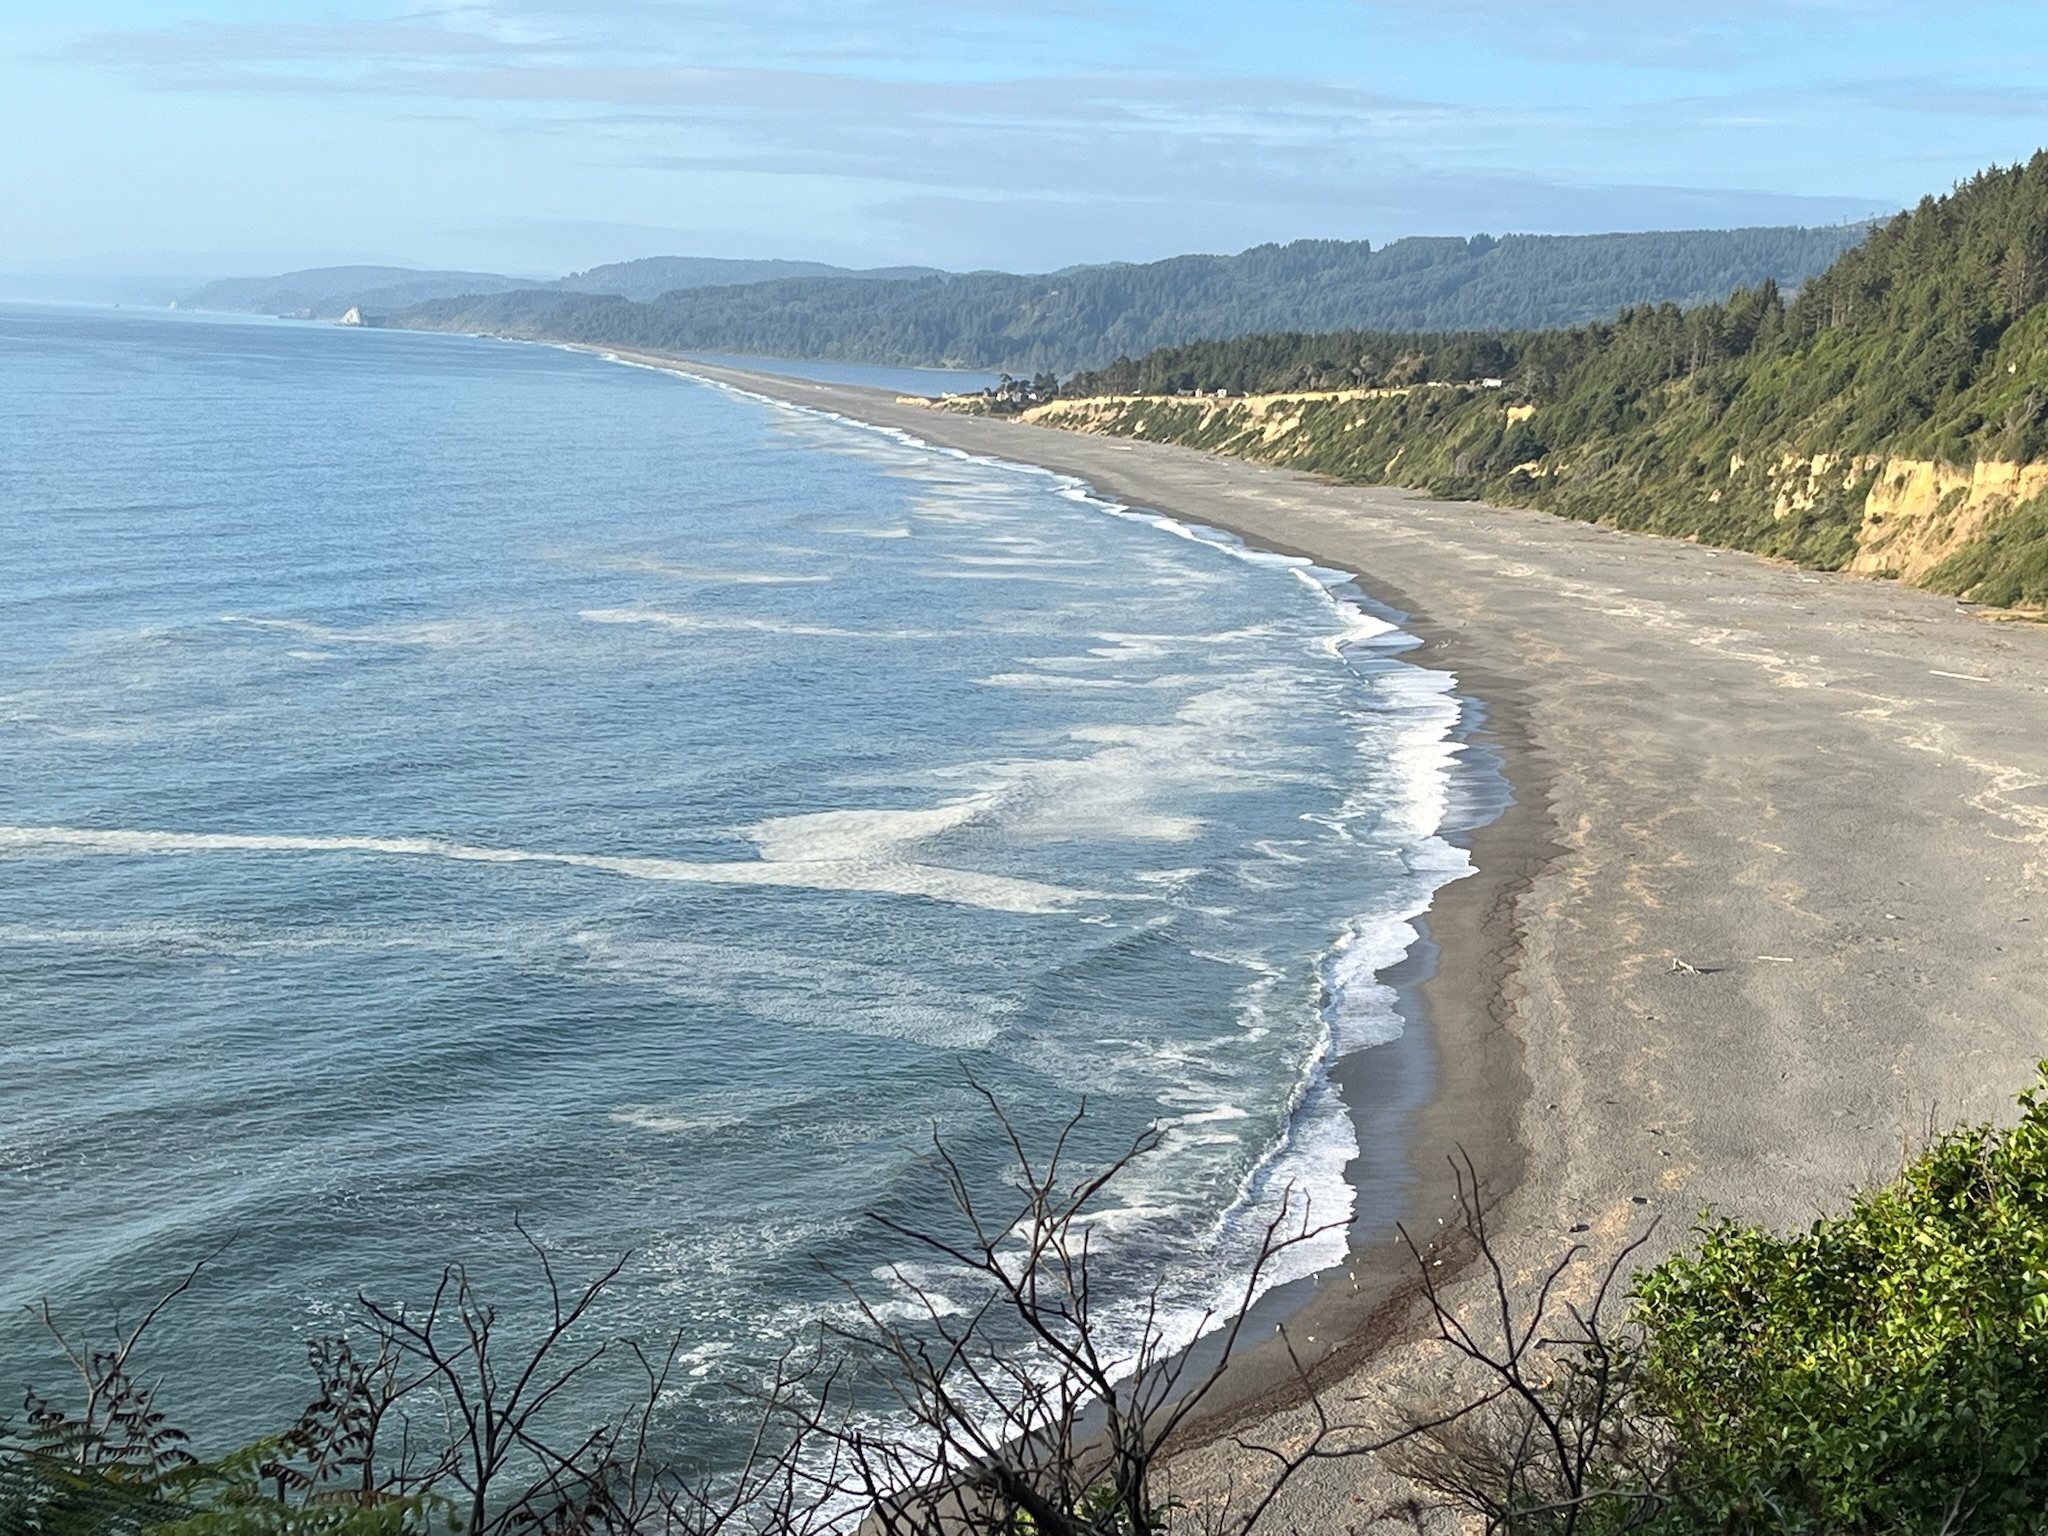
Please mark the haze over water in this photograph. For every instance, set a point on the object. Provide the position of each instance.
(442, 778)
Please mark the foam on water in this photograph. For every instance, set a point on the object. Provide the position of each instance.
(843, 864)
(647, 834)
(693, 622)
(1418, 732)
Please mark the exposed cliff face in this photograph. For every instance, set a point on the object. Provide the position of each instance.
(1253, 426)
(1240, 424)
(1919, 513)
(1922, 521)
(1918, 516)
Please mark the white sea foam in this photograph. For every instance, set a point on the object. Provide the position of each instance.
(858, 836)
(880, 1001)
(437, 632)
(1021, 572)
(741, 624)
(1028, 562)
(1411, 750)
(710, 575)
(1422, 718)
(1359, 627)
(1054, 682)
(1112, 789)
(158, 939)
(881, 873)
(648, 1117)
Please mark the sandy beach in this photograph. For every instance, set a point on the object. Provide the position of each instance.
(1769, 902)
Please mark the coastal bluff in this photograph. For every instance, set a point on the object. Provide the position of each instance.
(1912, 516)
(1769, 903)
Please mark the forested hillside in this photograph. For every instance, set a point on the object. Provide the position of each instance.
(324, 293)
(652, 276)
(1892, 418)
(1086, 316)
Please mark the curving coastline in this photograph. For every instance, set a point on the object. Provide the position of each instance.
(1381, 1091)
(1455, 1083)
(1769, 899)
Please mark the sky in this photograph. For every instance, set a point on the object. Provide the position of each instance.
(201, 138)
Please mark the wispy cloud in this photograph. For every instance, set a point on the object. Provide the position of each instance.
(1078, 129)
(906, 36)
(1267, 138)
(1955, 98)
(1671, 34)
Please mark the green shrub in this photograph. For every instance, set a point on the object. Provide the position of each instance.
(1887, 1369)
(2006, 565)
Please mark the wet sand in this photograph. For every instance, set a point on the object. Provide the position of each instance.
(1769, 902)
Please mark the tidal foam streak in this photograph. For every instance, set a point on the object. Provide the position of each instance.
(1417, 734)
(898, 877)
(642, 813)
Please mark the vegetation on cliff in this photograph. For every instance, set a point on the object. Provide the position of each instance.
(1088, 315)
(1874, 420)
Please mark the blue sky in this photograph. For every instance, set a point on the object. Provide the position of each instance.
(213, 136)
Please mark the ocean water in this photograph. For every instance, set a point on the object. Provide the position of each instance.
(442, 779)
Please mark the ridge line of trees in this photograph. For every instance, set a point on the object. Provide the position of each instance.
(1927, 341)
(1085, 316)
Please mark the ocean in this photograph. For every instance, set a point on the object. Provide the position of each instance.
(446, 781)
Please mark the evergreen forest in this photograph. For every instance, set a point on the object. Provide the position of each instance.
(327, 293)
(1086, 316)
(1891, 417)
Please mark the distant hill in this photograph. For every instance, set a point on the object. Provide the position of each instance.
(325, 293)
(1892, 419)
(652, 276)
(1086, 316)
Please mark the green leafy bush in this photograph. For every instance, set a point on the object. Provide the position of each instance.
(2007, 565)
(1887, 1369)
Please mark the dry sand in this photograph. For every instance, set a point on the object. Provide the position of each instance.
(1827, 797)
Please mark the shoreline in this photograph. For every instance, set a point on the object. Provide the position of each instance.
(1772, 897)
(1450, 990)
